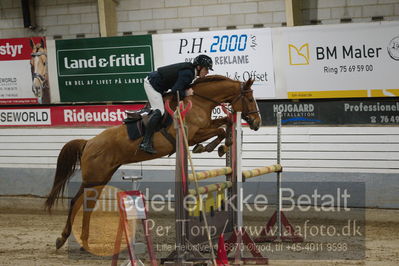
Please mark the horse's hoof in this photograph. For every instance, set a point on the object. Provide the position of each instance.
(84, 247)
(209, 148)
(198, 148)
(59, 242)
(222, 150)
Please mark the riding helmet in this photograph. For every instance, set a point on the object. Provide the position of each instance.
(204, 61)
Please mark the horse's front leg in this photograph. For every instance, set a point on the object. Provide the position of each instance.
(223, 121)
(205, 134)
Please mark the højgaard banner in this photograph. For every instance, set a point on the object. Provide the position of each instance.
(337, 61)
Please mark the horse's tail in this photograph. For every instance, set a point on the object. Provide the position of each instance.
(67, 162)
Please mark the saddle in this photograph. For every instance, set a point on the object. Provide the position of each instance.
(137, 121)
(143, 114)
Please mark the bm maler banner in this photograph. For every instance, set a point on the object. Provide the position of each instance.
(103, 69)
(337, 61)
(237, 54)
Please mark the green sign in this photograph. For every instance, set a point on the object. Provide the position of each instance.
(104, 69)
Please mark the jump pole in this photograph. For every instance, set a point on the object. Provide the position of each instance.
(278, 218)
(179, 256)
(238, 151)
(239, 236)
(279, 229)
(233, 186)
(240, 174)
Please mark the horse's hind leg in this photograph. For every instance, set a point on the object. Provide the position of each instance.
(95, 177)
(74, 206)
(90, 197)
(87, 195)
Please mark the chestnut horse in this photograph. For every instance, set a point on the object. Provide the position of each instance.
(102, 155)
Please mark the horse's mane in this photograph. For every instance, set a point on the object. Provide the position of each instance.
(211, 78)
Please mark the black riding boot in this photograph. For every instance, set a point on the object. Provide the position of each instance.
(146, 144)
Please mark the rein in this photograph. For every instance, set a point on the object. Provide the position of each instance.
(243, 91)
(212, 100)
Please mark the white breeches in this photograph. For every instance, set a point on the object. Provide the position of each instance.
(154, 97)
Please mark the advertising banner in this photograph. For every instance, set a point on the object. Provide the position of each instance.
(68, 116)
(327, 112)
(103, 69)
(337, 61)
(23, 76)
(237, 54)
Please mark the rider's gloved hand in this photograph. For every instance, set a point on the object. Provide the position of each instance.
(189, 92)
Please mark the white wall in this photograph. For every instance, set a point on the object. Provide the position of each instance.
(69, 18)
(66, 18)
(304, 149)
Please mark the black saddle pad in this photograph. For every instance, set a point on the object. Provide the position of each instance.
(135, 129)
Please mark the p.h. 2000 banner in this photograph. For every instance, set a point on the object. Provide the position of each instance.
(237, 54)
(337, 61)
(103, 69)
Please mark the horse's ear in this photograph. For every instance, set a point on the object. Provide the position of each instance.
(32, 44)
(249, 83)
(42, 42)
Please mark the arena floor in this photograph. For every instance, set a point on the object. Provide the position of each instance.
(27, 237)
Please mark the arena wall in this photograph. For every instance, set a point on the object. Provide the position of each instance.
(66, 19)
(309, 154)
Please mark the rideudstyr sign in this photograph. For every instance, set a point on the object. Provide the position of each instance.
(69, 116)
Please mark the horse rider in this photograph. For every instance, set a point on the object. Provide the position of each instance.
(176, 78)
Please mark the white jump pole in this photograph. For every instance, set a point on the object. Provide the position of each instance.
(239, 135)
(279, 205)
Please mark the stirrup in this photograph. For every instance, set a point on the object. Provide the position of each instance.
(147, 148)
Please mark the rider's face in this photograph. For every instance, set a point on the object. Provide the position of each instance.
(203, 71)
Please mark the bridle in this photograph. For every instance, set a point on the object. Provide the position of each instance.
(245, 112)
